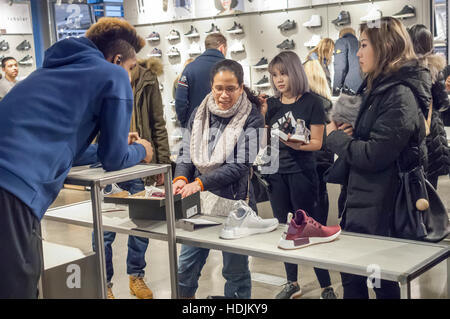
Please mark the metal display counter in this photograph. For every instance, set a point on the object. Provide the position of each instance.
(97, 179)
(393, 259)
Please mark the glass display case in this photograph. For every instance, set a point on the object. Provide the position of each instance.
(439, 25)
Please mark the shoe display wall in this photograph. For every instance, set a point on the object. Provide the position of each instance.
(254, 39)
(20, 47)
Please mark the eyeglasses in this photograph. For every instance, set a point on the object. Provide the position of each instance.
(229, 90)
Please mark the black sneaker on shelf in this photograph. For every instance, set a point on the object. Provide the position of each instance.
(24, 46)
(286, 45)
(236, 28)
(287, 25)
(214, 29)
(193, 33)
(264, 82)
(342, 19)
(408, 11)
(27, 60)
(262, 64)
(4, 46)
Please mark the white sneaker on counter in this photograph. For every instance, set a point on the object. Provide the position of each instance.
(244, 222)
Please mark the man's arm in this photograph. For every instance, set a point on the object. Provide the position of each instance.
(113, 149)
(182, 99)
(160, 138)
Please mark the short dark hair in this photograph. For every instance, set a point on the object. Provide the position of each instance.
(107, 31)
(219, 6)
(215, 40)
(6, 59)
(119, 46)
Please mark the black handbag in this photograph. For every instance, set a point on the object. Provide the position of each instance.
(419, 213)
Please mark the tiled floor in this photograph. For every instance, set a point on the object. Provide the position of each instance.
(430, 285)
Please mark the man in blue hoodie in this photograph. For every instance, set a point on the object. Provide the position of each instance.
(194, 83)
(47, 122)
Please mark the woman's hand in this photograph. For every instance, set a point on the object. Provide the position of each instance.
(347, 128)
(263, 100)
(178, 186)
(331, 127)
(294, 145)
(190, 189)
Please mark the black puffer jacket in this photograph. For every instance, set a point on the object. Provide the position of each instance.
(437, 145)
(389, 120)
(231, 179)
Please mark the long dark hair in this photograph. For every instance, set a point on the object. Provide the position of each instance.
(422, 39)
(235, 68)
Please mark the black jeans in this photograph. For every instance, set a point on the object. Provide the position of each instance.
(20, 257)
(290, 192)
(355, 287)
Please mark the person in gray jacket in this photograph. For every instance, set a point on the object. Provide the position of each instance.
(347, 73)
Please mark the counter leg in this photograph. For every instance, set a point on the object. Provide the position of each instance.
(98, 235)
(170, 218)
(405, 289)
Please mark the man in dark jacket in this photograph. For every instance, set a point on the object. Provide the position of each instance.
(195, 83)
(347, 73)
(47, 121)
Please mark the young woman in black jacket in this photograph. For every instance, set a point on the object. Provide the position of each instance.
(396, 94)
(437, 145)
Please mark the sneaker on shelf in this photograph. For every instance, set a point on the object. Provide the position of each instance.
(342, 19)
(244, 221)
(214, 29)
(264, 82)
(154, 36)
(4, 45)
(286, 45)
(173, 35)
(173, 52)
(237, 47)
(1, 58)
(155, 53)
(290, 291)
(161, 87)
(408, 11)
(315, 39)
(194, 49)
(304, 231)
(314, 22)
(112, 189)
(139, 288)
(262, 64)
(172, 103)
(328, 293)
(24, 46)
(287, 25)
(27, 60)
(373, 14)
(236, 29)
(192, 33)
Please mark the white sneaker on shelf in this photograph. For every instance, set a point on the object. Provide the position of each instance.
(313, 41)
(195, 49)
(244, 222)
(314, 22)
(373, 14)
(173, 35)
(173, 52)
(237, 47)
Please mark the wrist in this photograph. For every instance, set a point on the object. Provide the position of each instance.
(199, 183)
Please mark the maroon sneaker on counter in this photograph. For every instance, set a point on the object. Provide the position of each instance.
(305, 231)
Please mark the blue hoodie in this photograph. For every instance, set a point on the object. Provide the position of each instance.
(49, 119)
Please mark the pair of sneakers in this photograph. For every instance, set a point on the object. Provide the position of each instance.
(292, 290)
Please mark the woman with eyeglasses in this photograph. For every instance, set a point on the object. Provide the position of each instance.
(210, 161)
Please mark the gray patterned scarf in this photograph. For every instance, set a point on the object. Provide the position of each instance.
(227, 140)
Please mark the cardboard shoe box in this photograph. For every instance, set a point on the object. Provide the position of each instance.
(155, 208)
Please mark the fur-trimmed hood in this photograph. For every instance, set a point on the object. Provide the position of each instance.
(435, 63)
(145, 73)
